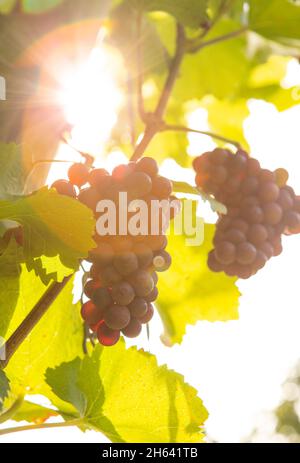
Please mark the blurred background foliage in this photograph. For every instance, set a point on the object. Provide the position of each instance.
(251, 64)
(285, 418)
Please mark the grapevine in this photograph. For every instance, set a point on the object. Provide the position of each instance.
(86, 262)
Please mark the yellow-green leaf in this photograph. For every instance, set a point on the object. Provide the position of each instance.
(276, 19)
(190, 292)
(53, 224)
(33, 413)
(124, 394)
(55, 339)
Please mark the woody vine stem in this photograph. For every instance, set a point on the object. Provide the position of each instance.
(154, 124)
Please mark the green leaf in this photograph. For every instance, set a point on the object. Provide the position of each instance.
(13, 170)
(10, 260)
(219, 70)
(141, 403)
(190, 292)
(4, 387)
(33, 413)
(38, 6)
(277, 20)
(10, 271)
(226, 117)
(53, 224)
(124, 37)
(264, 83)
(49, 269)
(55, 339)
(6, 6)
(191, 13)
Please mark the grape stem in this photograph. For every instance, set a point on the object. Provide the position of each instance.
(181, 128)
(39, 310)
(193, 47)
(33, 427)
(10, 413)
(154, 120)
(140, 73)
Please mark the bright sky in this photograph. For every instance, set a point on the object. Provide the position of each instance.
(237, 367)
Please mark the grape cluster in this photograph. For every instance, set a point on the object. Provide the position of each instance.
(260, 208)
(122, 284)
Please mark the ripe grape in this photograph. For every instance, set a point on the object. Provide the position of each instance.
(90, 197)
(63, 187)
(152, 296)
(253, 166)
(102, 298)
(260, 260)
(126, 263)
(240, 225)
(102, 255)
(144, 254)
(250, 186)
(117, 317)
(154, 278)
(90, 313)
(138, 184)
(133, 329)
(148, 166)
(97, 177)
(90, 287)
(234, 236)
(78, 174)
(162, 261)
(106, 336)
(257, 233)
(213, 264)
(246, 253)
(255, 214)
(225, 252)
(138, 307)
(122, 293)
(110, 275)
(220, 174)
(292, 219)
(142, 283)
(157, 242)
(148, 316)
(268, 192)
(272, 213)
(162, 187)
(267, 249)
(285, 200)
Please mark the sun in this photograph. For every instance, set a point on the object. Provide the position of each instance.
(91, 96)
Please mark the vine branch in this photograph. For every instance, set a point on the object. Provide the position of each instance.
(193, 48)
(39, 310)
(181, 128)
(33, 427)
(154, 120)
(140, 74)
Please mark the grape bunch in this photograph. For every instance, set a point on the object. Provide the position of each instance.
(260, 208)
(122, 284)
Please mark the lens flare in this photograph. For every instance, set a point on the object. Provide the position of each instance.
(91, 98)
